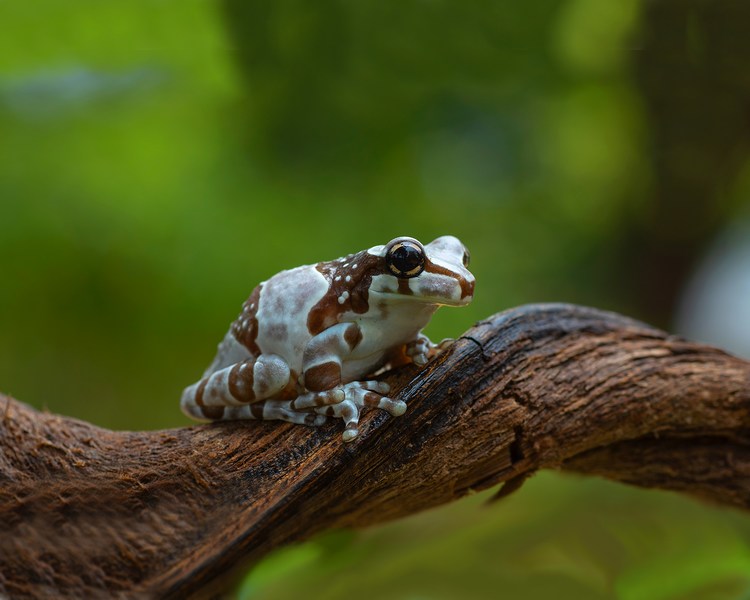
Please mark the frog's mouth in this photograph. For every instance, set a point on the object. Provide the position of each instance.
(428, 288)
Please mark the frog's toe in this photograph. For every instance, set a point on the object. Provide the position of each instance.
(315, 420)
(317, 399)
(379, 387)
(348, 410)
(350, 432)
(445, 343)
(394, 407)
(398, 408)
(420, 359)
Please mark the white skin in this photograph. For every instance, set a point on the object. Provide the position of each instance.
(308, 337)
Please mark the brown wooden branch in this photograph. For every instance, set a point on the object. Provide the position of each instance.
(87, 512)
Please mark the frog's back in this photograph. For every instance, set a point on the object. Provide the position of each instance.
(276, 320)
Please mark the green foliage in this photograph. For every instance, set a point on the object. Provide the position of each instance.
(159, 158)
(144, 191)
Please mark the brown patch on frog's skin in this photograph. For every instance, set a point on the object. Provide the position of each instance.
(241, 381)
(324, 376)
(278, 331)
(213, 412)
(245, 327)
(467, 287)
(293, 388)
(353, 336)
(355, 292)
(403, 287)
(199, 391)
(313, 354)
(383, 308)
(210, 412)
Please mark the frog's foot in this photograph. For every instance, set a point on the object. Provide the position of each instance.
(317, 399)
(420, 350)
(442, 345)
(358, 395)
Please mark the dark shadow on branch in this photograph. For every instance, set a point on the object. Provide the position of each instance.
(87, 512)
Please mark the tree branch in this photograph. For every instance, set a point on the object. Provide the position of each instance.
(87, 512)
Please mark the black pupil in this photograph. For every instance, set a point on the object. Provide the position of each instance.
(405, 258)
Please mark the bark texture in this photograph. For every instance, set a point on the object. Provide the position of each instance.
(87, 512)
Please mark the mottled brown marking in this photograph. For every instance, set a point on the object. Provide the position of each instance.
(353, 335)
(199, 391)
(245, 327)
(213, 412)
(256, 409)
(368, 267)
(277, 331)
(263, 386)
(383, 308)
(241, 381)
(403, 287)
(324, 376)
(328, 309)
(372, 399)
(313, 353)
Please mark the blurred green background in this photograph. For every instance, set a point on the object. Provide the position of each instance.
(158, 158)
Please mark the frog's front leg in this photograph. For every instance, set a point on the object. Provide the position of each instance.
(321, 377)
(421, 349)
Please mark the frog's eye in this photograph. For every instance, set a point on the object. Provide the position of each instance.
(405, 258)
(466, 258)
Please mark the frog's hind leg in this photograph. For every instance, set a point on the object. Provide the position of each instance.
(237, 385)
(272, 410)
(262, 410)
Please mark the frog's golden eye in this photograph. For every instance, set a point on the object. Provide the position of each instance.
(466, 259)
(405, 258)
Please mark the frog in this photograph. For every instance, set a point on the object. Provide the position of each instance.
(309, 341)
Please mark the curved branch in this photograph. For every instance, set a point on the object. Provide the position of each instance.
(86, 511)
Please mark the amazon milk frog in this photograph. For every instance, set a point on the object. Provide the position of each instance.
(307, 338)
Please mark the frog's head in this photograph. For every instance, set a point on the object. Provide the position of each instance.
(435, 274)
